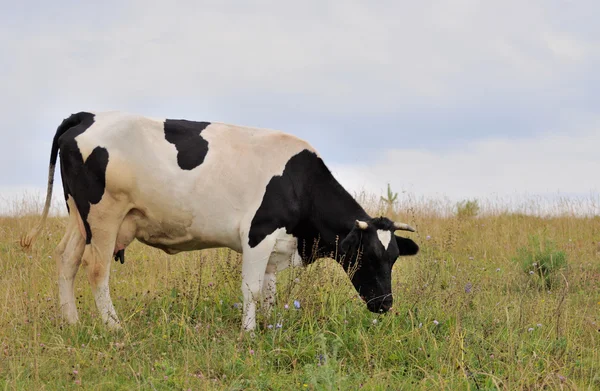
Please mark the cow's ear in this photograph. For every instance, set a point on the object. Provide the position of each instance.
(350, 242)
(406, 246)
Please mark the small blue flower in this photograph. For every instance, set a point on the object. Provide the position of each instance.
(278, 325)
(296, 304)
(321, 359)
(468, 287)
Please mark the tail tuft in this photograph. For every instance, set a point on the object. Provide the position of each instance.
(26, 241)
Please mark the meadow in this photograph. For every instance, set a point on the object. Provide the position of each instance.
(495, 300)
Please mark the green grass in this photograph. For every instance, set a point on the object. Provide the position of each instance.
(466, 317)
(541, 258)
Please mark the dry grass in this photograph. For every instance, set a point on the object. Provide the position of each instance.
(465, 316)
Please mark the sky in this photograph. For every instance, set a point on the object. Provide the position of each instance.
(457, 99)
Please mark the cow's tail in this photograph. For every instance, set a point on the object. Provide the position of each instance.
(67, 124)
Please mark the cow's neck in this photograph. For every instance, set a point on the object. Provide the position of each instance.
(334, 214)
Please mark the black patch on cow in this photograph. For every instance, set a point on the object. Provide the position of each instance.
(84, 181)
(75, 124)
(120, 256)
(310, 204)
(187, 138)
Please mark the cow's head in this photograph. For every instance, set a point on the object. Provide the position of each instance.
(370, 251)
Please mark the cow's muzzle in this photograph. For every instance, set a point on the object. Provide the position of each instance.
(380, 306)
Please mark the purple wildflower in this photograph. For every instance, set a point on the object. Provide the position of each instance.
(321, 359)
(296, 304)
(468, 287)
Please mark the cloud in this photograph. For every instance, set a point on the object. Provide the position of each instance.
(556, 163)
(341, 55)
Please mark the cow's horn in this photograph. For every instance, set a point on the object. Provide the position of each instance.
(361, 224)
(404, 227)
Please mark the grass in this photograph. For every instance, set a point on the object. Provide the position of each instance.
(466, 317)
(542, 259)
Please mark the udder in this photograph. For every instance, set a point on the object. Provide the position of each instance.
(126, 235)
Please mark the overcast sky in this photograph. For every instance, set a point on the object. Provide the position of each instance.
(455, 98)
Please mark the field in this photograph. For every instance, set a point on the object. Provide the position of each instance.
(471, 312)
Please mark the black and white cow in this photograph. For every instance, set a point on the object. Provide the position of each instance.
(180, 185)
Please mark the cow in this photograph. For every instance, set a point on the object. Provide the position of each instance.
(181, 185)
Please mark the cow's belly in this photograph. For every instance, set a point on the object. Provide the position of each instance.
(168, 233)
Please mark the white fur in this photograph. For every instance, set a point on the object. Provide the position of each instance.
(384, 237)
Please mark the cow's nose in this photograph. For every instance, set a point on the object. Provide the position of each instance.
(385, 306)
(381, 307)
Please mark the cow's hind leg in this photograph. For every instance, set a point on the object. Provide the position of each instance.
(105, 220)
(68, 258)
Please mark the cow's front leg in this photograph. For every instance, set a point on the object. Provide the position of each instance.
(254, 268)
(252, 278)
(269, 289)
(284, 255)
